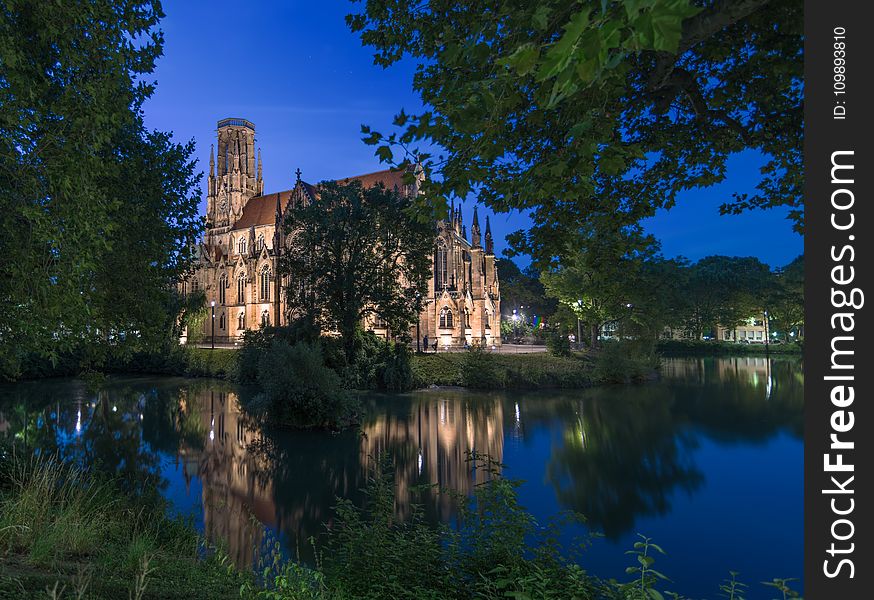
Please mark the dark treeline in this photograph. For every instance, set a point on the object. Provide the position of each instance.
(631, 294)
(99, 214)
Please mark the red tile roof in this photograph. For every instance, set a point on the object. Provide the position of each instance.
(261, 210)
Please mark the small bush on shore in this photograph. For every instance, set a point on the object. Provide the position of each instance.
(623, 361)
(299, 390)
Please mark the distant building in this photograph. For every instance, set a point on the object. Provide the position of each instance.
(751, 331)
(237, 260)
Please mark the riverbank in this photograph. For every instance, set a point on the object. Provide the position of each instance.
(67, 534)
(714, 348)
(473, 369)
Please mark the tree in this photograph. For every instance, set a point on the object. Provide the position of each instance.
(596, 283)
(524, 288)
(98, 214)
(356, 252)
(725, 290)
(786, 304)
(575, 109)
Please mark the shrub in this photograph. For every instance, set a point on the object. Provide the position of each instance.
(621, 361)
(299, 390)
(558, 343)
(479, 369)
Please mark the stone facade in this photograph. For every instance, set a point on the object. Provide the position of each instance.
(237, 260)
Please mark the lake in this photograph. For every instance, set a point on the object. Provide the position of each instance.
(708, 461)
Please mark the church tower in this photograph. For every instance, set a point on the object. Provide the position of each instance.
(234, 176)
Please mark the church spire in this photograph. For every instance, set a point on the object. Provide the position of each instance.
(475, 238)
(211, 162)
(490, 246)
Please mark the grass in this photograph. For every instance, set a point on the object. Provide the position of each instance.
(65, 534)
(615, 363)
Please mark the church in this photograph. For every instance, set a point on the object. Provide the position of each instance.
(237, 259)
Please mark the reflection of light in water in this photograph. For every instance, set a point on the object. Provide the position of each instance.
(421, 462)
(517, 415)
(79, 421)
(443, 412)
(212, 429)
(114, 408)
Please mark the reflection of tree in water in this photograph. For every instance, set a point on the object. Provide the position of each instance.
(627, 449)
(621, 459)
(624, 450)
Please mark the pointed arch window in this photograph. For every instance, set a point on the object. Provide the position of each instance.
(467, 318)
(222, 321)
(487, 322)
(241, 321)
(260, 244)
(242, 245)
(241, 289)
(445, 318)
(222, 288)
(265, 319)
(441, 266)
(264, 284)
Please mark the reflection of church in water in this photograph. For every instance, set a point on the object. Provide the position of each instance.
(290, 488)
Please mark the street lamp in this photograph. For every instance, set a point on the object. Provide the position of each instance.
(579, 328)
(418, 320)
(212, 305)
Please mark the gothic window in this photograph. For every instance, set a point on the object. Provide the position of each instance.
(241, 321)
(242, 245)
(441, 267)
(264, 287)
(467, 318)
(260, 245)
(195, 285)
(222, 291)
(488, 324)
(241, 289)
(265, 319)
(379, 322)
(445, 318)
(222, 321)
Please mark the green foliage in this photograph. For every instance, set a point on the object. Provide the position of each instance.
(557, 342)
(511, 371)
(100, 214)
(299, 390)
(373, 259)
(623, 361)
(710, 348)
(479, 369)
(593, 113)
(62, 528)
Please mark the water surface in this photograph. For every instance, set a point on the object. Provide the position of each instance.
(707, 462)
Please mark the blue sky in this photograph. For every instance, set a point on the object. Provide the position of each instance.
(296, 71)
